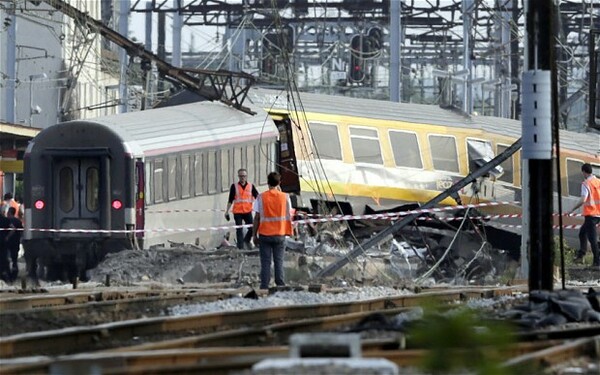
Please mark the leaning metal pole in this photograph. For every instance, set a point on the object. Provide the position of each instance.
(454, 189)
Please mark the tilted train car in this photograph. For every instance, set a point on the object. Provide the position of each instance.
(353, 154)
(88, 184)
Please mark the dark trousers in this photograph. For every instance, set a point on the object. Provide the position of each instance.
(4, 263)
(13, 251)
(271, 246)
(589, 232)
(239, 232)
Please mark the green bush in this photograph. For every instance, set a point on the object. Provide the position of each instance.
(461, 340)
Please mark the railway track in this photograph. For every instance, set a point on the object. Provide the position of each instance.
(60, 310)
(223, 360)
(23, 299)
(131, 332)
(217, 343)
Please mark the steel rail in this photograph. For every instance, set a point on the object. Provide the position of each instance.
(589, 347)
(219, 359)
(24, 303)
(103, 336)
(100, 311)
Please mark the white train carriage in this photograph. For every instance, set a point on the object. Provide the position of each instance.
(89, 182)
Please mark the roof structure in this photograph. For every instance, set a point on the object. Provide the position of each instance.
(186, 126)
(412, 113)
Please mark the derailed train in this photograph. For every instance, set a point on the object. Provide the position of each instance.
(107, 184)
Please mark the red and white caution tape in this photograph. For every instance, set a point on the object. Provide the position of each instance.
(334, 218)
(182, 211)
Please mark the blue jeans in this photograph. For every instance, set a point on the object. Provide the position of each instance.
(275, 246)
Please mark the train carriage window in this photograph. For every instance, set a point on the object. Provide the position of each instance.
(185, 176)
(507, 166)
(480, 153)
(326, 141)
(211, 176)
(443, 153)
(66, 189)
(149, 194)
(405, 147)
(91, 189)
(365, 145)
(574, 177)
(158, 180)
(199, 174)
(172, 178)
(226, 170)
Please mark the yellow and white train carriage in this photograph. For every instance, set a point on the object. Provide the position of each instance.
(352, 153)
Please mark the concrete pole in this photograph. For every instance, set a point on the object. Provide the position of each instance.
(505, 91)
(148, 27)
(11, 67)
(467, 9)
(123, 58)
(177, 26)
(395, 68)
(228, 43)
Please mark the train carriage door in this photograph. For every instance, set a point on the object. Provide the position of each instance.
(139, 200)
(288, 167)
(77, 193)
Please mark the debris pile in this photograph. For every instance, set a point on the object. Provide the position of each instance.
(547, 308)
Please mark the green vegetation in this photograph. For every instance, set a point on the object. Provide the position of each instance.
(460, 340)
(569, 253)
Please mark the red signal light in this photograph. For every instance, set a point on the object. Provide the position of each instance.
(116, 204)
(39, 204)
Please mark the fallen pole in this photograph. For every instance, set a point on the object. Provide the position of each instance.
(454, 189)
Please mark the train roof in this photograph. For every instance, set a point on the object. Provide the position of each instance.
(170, 129)
(413, 113)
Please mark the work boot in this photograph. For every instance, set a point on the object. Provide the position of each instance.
(578, 259)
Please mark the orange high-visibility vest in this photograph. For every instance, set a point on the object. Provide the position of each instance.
(591, 206)
(275, 218)
(12, 203)
(242, 203)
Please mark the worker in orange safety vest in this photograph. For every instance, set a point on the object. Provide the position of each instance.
(241, 199)
(272, 223)
(590, 200)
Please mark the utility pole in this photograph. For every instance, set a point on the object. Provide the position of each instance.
(11, 67)
(123, 57)
(539, 116)
(395, 51)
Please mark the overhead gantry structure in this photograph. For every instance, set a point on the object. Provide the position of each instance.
(440, 41)
(228, 87)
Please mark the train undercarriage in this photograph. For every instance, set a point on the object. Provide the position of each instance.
(67, 260)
